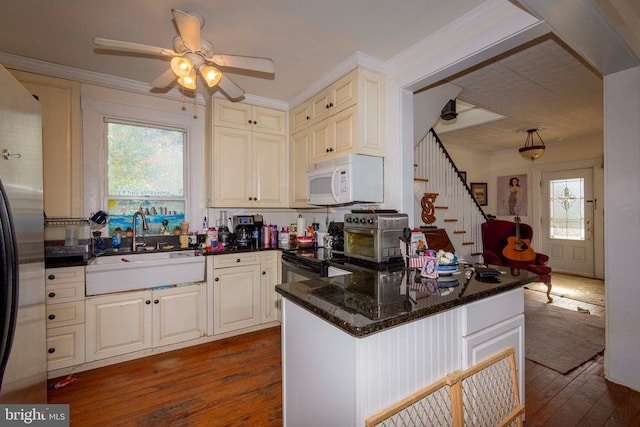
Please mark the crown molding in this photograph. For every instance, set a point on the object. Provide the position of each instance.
(358, 59)
(90, 77)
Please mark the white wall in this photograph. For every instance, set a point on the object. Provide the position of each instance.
(622, 224)
(571, 154)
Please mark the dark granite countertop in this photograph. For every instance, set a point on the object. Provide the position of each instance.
(369, 301)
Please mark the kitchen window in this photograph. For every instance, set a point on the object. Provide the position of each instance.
(146, 171)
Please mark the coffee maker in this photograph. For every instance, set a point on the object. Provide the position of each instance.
(247, 229)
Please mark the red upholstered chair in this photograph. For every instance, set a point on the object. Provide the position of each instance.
(494, 239)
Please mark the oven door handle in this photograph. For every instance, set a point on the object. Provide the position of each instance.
(300, 266)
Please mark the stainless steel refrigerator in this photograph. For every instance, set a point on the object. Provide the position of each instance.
(23, 367)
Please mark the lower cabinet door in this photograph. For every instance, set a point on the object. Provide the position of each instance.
(65, 346)
(118, 324)
(494, 339)
(179, 314)
(236, 298)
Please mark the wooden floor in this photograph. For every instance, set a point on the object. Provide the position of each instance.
(237, 382)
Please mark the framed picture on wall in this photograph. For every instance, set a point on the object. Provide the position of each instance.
(511, 195)
(479, 191)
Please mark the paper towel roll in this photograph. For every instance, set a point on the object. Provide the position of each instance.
(301, 229)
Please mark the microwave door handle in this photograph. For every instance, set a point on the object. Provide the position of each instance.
(333, 184)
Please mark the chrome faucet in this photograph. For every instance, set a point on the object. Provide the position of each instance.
(145, 227)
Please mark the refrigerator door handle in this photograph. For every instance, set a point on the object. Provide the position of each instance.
(8, 281)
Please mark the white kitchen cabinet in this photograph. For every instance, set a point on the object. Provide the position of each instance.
(270, 276)
(179, 314)
(249, 166)
(236, 292)
(334, 136)
(131, 321)
(249, 117)
(244, 289)
(61, 142)
(492, 325)
(299, 149)
(344, 118)
(64, 288)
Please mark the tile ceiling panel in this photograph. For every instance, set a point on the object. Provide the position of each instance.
(542, 86)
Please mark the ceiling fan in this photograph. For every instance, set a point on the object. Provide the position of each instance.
(191, 54)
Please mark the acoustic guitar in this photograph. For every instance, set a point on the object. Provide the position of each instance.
(518, 249)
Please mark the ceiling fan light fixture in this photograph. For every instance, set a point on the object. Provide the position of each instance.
(531, 150)
(211, 75)
(181, 66)
(188, 81)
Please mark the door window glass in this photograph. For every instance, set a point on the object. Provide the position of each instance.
(567, 216)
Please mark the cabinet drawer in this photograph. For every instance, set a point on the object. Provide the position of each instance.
(64, 292)
(235, 260)
(54, 276)
(490, 311)
(65, 346)
(65, 314)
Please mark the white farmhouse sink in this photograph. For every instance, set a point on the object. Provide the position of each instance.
(125, 272)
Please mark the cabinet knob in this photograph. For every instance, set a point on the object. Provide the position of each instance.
(52, 316)
(217, 279)
(330, 150)
(147, 302)
(308, 118)
(255, 123)
(326, 150)
(264, 272)
(249, 121)
(51, 350)
(238, 260)
(52, 294)
(155, 301)
(51, 276)
(255, 199)
(331, 104)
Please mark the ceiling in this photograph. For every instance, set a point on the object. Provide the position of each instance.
(542, 85)
(305, 38)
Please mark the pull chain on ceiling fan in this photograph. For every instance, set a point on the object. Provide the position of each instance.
(192, 55)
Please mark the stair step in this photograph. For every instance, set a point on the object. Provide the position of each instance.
(450, 220)
(421, 179)
(441, 207)
(468, 243)
(459, 232)
(476, 253)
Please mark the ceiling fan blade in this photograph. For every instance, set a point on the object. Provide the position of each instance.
(264, 65)
(133, 47)
(232, 90)
(164, 79)
(189, 29)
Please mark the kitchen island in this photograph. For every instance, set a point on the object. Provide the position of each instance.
(356, 344)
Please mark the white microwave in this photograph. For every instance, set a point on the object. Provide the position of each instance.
(355, 178)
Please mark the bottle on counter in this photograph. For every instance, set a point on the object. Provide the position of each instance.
(115, 241)
(283, 238)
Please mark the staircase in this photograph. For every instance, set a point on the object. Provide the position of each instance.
(454, 207)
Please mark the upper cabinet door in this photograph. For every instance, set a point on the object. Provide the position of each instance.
(61, 142)
(232, 114)
(233, 174)
(268, 120)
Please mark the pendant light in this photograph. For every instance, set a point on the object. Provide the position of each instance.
(532, 151)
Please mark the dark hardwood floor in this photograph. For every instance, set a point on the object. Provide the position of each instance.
(237, 382)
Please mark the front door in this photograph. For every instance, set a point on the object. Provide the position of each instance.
(567, 220)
